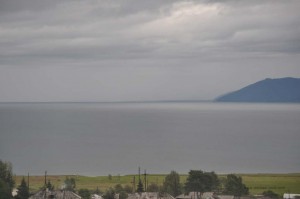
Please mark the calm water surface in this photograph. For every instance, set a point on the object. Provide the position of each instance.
(116, 138)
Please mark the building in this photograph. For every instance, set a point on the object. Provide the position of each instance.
(96, 196)
(150, 195)
(197, 195)
(291, 195)
(190, 195)
(208, 195)
(60, 194)
(225, 197)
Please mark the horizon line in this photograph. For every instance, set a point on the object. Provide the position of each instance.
(125, 101)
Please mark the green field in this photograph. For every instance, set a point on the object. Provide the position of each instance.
(257, 183)
(279, 183)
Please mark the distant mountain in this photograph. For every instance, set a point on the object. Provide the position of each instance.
(268, 90)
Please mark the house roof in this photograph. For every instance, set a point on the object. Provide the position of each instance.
(57, 194)
(96, 196)
(149, 195)
(190, 195)
(225, 196)
(290, 195)
(193, 195)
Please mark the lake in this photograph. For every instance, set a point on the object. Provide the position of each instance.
(117, 138)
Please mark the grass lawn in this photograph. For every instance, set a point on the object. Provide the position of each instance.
(257, 183)
(279, 183)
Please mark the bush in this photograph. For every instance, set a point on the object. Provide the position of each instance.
(84, 193)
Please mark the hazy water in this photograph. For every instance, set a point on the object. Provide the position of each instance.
(116, 138)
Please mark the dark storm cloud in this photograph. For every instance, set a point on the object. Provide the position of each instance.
(40, 33)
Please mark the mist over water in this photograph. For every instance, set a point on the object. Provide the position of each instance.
(116, 138)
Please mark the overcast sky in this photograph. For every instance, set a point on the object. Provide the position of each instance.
(101, 50)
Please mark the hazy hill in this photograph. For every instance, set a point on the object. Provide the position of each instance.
(268, 90)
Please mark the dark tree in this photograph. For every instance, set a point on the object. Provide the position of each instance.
(153, 187)
(234, 186)
(199, 182)
(84, 193)
(140, 187)
(49, 186)
(172, 184)
(6, 179)
(109, 194)
(118, 188)
(70, 184)
(194, 182)
(23, 191)
(123, 195)
(109, 177)
(97, 191)
(128, 189)
(5, 192)
(161, 190)
(211, 181)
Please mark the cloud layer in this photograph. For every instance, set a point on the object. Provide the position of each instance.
(156, 42)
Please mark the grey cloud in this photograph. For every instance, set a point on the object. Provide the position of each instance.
(173, 34)
(13, 6)
(167, 31)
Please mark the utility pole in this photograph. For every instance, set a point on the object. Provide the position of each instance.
(45, 178)
(45, 195)
(175, 184)
(145, 180)
(139, 174)
(28, 181)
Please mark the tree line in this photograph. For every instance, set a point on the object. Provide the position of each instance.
(197, 181)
